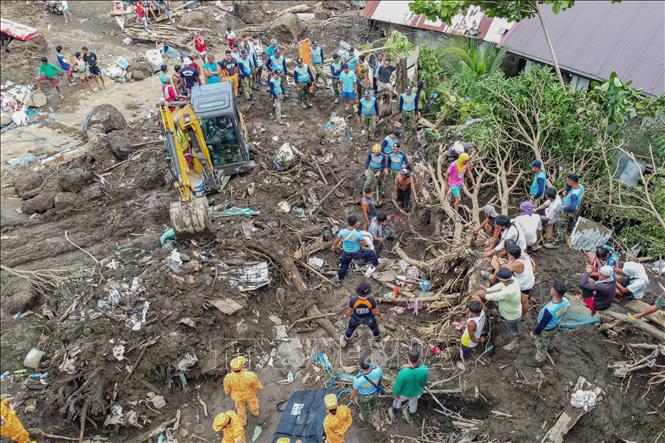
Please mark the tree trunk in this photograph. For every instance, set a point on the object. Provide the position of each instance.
(549, 44)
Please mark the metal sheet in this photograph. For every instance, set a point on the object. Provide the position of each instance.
(588, 235)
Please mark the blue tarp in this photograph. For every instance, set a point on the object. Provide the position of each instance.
(303, 417)
(578, 316)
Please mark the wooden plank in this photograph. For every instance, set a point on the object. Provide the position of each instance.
(226, 305)
(569, 416)
(651, 330)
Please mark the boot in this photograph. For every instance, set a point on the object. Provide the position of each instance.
(512, 345)
(393, 414)
(407, 416)
(533, 363)
(343, 341)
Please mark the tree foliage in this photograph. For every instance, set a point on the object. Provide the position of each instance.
(513, 10)
(473, 57)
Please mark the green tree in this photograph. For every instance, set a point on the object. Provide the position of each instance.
(472, 57)
(513, 10)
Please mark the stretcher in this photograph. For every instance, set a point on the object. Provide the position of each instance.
(17, 30)
(303, 417)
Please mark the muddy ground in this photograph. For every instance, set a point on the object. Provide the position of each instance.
(117, 211)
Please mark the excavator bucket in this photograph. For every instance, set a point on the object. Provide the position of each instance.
(190, 217)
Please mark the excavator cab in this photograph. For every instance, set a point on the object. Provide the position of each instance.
(205, 141)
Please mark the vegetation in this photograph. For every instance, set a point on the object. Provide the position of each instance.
(398, 45)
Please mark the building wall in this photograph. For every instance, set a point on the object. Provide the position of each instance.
(576, 81)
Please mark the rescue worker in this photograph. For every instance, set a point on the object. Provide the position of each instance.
(572, 199)
(245, 71)
(408, 107)
(257, 49)
(404, 188)
(549, 318)
(338, 420)
(303, 77)
(230, 70)
(367, 387)
(347, 80)
(389, 141)
(317, 62)
(352, 60)
(353, 247)
(375, 167)
(397, 161)
(361, 310)
(362, 75)
(231, 427)
(277, 63)
(241, 386)
(369, 109)
(537, 188)
(368, 206)
(335, 71)
(277, 94)
(272, 48)
(10, 425)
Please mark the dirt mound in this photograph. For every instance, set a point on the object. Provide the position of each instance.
(251, 12)
(27, 183)
(18, 295)
(193, 19)
(288, 27)
(138, 71)
(41, 202)
(107, 117)
(73, 180)
(119, 142)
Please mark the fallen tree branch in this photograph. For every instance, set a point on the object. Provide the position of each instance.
(651, 330)
(80, 248)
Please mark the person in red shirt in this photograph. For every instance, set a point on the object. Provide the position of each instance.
(200, 45)
(141, 15)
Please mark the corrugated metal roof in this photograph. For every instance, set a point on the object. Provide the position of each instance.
(398, 12)
(594, 38)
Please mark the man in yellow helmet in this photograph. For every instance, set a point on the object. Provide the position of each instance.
(337, 421)
(241, 386)
(376, 166)
(10, 425)
(232, 428)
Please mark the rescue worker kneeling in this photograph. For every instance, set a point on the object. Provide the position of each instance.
(232, 429)
(337, 421)
(241, 386)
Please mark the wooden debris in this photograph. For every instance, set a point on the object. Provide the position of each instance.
(318, 318)
(227, 306)
(651, 330)
(638, 306)
(570, 415)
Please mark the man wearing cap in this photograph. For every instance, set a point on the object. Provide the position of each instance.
(572, 199)
(303, 77)
(537, 188)
(366, 387)
(352, 60)
(335, 71)
(347, 80)
(378, 232)
(241, 386)
(408, 387)
(229, 69)
(245, 71)
(189, 74)
(509, 231)
(277, 94)
(362, 310)
(231, 427)
(509, 298)
(337, 421)
(353, 247)
(489, 225)
(376, 166)
(550, 211)
(369, 110)
(549, 318)
(277, 63)
(272, 48)
(408, 107)
(455, 177)
(598, 296)
(389, 141)
(317, 62)
(404, 188)
(397, 160)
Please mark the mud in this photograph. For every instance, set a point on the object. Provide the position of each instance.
(117, 212)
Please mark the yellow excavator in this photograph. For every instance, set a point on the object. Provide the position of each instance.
(205, 142)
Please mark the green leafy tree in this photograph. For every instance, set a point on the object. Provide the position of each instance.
(513, 10)
(472, 57)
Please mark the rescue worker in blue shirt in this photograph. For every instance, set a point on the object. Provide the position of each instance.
(368, 108)
(408, 107)
(277, 94)
(245, 70)
(335, 71)
(304, 79)
(277, 63)
(272, 48)
(549, 319)
(375, 167)
(353, 247)
(367, 386)
(572, 199)
(362, 310)
(539, 182)
(397, 161)
(389, 141)
(352, 60)
(317, 62)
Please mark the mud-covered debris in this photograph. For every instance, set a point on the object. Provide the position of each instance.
(106, 116)
(64, 201)
(157, 400)
(290, 354)
(18, 296)
(288, 27)
(73, 180)
(187, 362)
(42, 202)
(227, 306)
(26, 183)
(33, 358)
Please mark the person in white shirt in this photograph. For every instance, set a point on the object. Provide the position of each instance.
(522, 267)
(530, 224)
(633, 283)
(550, 211)
(509, 231)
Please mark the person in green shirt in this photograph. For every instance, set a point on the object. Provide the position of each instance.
(409, 385)
(49, 71)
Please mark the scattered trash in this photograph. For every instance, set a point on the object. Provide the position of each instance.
(188, 321)
(135, 321)
(284, 206)
(119, 352)
(127, 41)
(187, 362)
(157, 400)
(299, 212)
(425, 285)
(336, 128)
(658, 267)
(272, 224)
(584, 399)
(436, 350)
(28, 158)
(33, 358)
(226, 305)
(257, 432)
(247, 278)
(285, 155)
(4, 376)
(232, 212)
(115, 416)
(399, 310)
(168, 235)
(247, 227)
(174, 262)
(315, 262)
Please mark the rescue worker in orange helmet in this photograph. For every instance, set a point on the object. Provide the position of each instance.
(10, 425)
(241, 386)
(232, 429)
(337, 421)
